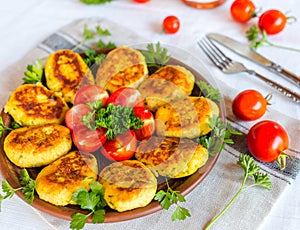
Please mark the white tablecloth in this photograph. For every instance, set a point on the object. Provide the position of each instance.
(24, 24)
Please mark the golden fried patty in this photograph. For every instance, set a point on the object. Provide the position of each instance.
(128, 185)
(167, 83)
(32, 104)
(188, 117)
(65, 72)
(123, 66)
(57, 182)
(171, 157)
(38, 145)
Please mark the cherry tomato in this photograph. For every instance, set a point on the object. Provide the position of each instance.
(88, 140)
(249, 105)
(272, 21)
(90, 93)
(141, 1)
(267, 140)
(126, 96)
(149, 124)
(121, 148)
(242, 10)
(171, 24)
(74, 115)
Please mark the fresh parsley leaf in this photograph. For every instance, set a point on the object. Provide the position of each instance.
(219, 136)
(156, 56)
(209, 91)
(116, 119)
(92, 57)
(102, 32)
(251, 171)
(92, 200)
(89, 2)
(27, 187)
(14, 125)
(170, 197)
(102, 45)
(33, 73)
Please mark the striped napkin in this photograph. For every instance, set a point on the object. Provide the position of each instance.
(205, 201)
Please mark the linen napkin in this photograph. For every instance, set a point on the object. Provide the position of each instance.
(209, 198)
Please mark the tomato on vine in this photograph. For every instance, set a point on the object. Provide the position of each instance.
(250, 105)
(272, 21)
(242, 10)
(267, 141)
(171, 24)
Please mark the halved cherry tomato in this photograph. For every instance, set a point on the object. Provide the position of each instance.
(149, 124)
(126, 96)
(121, 148)
(171, 24)
(88, 140)
(272, 21)
(90, 93)
(242, 10)
(249, 105)
(267, 141)
(74, 115)
(141, 1)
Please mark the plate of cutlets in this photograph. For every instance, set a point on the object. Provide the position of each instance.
(170, 152)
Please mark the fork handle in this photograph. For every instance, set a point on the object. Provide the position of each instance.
(291, 95)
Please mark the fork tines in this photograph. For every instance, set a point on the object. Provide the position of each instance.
(214, 53)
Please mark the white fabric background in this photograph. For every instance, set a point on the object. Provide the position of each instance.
(24, 24)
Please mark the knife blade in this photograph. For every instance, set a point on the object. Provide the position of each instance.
(245, 51)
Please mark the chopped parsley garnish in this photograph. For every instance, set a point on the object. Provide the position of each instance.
(116, 119)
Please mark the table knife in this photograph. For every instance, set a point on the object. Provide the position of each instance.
(245, 51)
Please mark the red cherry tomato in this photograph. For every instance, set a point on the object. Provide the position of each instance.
(141, 1)
(90, 93)
(171, 24)
(126, 96)
(272, 21)
(74, 115)
(242, 10)
(149, 124)
(249, 105)
(88, 140)
(267, 140)
(121, 148)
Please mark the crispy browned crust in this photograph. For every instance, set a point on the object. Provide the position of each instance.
(170, 156)
(166, 84)
(57, 182)
(36, 105)
(38, 145)
(123, 66)
(188, 117)
(128, 185)
(65, 72)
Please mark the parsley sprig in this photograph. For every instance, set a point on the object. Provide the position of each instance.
(33, 73)
(97, 32)
(170, 197)
(219, 136)
(259, 38)
(14, 125)
(90, 2)
(116, 119)
(251, 171)
(27, 186)
(209, 91)
(92, 200)
(156, 56)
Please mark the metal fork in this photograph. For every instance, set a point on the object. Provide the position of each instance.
(229, 66)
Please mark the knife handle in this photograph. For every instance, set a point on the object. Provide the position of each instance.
(286, 92)
(289, 75)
